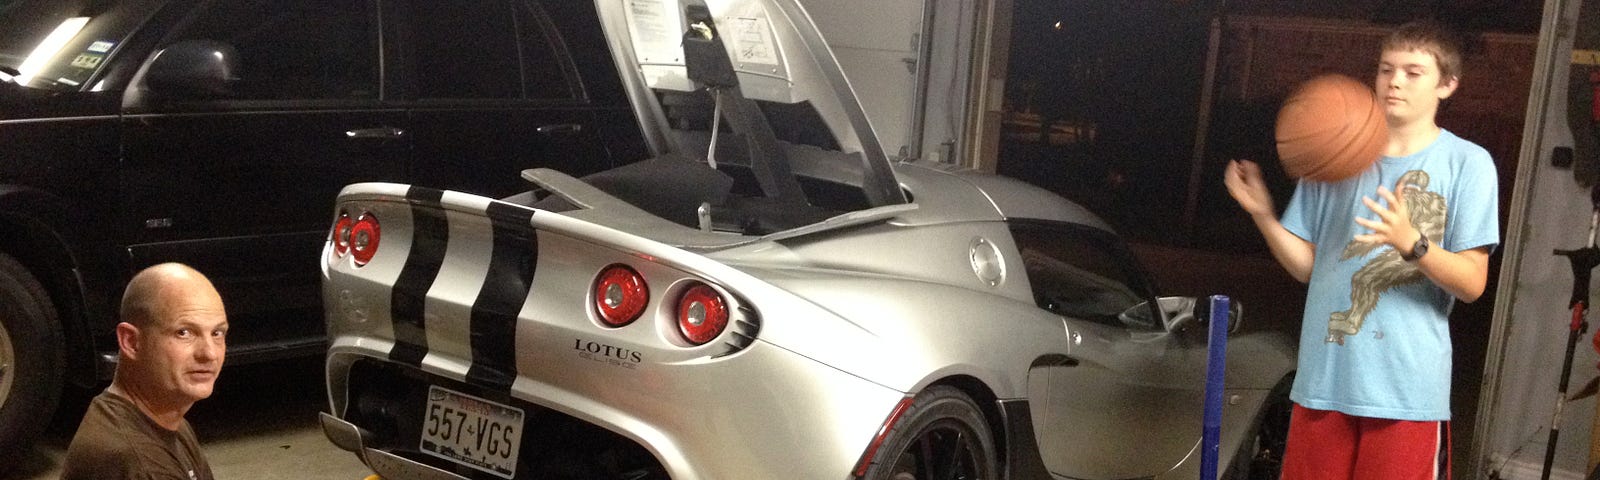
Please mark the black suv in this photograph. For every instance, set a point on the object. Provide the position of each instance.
(217, 133)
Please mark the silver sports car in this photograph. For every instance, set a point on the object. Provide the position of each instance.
(767, 297)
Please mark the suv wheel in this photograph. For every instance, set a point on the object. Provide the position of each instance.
(30, 357)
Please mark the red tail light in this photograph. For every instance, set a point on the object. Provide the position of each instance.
(341, 235)
(364, 236)
(620, 295)
(702, 314)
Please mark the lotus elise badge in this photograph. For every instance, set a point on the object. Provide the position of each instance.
(600, 352)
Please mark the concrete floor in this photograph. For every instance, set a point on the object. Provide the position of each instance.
(260, 423)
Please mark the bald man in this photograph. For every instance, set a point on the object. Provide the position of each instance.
(170, 344)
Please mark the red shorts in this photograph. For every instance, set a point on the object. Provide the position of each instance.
(1327, 445)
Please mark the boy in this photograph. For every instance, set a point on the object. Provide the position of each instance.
(1373, 389)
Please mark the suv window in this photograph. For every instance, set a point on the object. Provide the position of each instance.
(1078, 272)
(488, 43)
(295, 49)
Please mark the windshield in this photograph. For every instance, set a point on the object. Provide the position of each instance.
(62, 44)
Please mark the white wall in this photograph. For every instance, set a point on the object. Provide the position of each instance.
(876, 44)
(949, 80)
(1535, 343)
(1555, 216)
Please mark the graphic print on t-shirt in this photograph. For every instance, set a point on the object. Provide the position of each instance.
(1388, 270)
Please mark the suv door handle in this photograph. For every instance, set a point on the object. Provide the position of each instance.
(560, 129)
(379, 132)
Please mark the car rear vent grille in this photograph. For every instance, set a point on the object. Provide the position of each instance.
(743, 332)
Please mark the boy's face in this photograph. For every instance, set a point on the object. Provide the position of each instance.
(1410, 87)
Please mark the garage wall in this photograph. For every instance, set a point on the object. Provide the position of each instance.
(1549, 210)
(876, 45)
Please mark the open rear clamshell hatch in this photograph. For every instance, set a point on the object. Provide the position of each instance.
(754, 127)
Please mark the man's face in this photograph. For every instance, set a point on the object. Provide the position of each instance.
(182, 349)
(1409, 85)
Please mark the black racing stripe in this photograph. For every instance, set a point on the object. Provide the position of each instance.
(505, 287)
(429, 235)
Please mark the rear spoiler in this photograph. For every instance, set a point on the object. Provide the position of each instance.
(598, 207)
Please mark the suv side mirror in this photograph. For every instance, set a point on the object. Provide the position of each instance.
(193, 69)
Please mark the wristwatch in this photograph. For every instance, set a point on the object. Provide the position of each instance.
(1417, 250)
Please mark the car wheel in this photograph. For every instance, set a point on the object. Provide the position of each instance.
(30, 357)
(1261, 456)
(943, 435)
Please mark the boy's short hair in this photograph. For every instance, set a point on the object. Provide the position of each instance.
(1433, 38)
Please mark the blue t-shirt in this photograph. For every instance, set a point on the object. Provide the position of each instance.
(1375, 341)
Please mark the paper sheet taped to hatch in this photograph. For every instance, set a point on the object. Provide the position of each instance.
(752, 40)
(656, 31)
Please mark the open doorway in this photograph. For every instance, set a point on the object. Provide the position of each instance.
(1101, 105)
(1132, 108)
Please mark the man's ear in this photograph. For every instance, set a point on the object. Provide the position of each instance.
(128, 340)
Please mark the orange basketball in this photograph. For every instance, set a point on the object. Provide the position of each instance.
(1331, 128)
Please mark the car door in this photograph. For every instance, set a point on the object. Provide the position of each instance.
(240, 183)
(492, 92)
(1128, 402)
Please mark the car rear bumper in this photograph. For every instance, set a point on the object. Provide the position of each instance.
(349, 437)
(763, 413)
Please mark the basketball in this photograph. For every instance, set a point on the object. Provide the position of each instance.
(1331, 128)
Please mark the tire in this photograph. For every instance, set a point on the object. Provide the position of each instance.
(942, 435)
(1260, 457)
(31, 359)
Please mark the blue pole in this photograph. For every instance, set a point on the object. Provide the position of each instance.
(1216, 349)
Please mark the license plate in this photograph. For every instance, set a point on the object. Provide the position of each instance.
(472, 431)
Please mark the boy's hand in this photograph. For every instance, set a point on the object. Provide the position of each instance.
(1243, 179)
(1393, 225)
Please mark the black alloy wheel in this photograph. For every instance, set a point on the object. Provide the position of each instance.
(1261, 456)
(942, 436)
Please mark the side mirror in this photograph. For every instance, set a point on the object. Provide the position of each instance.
(1176, 314)
(193, 69)
(1202, 313)
(1181, 313)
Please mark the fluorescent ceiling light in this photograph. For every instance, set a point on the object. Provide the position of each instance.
(49, 47)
